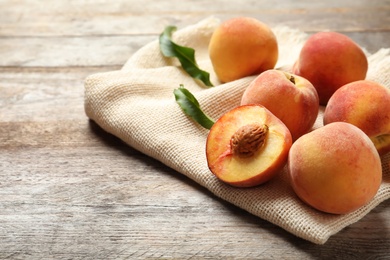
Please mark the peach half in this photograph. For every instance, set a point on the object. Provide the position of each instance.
(365, 104)
(335, 168)
(247, 146)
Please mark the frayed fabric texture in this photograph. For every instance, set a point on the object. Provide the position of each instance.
(136, 104)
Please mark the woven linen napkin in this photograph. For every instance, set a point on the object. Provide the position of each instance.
(136, 104)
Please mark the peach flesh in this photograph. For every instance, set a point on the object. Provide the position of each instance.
(247, 171)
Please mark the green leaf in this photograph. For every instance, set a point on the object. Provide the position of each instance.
(191, 107)
(185, 55)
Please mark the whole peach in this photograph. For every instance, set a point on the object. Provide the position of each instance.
(330, 60)
(365, 104)
(335, 168)
(241, 47)
(291, 98)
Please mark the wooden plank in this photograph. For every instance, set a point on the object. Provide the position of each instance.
(69, 51)
(58, 203)
(135, 17)
(108, 51)
(43, 94)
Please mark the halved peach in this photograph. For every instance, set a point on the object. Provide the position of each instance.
(247, 146)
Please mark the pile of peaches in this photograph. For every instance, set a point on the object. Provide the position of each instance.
(335, 168)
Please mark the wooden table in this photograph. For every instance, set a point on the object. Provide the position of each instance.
(68, 190)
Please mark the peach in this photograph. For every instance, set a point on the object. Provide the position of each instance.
(365, 104)
(335, 168)
(330, 60)
(241, 47)
(290, 98)
(247, 146)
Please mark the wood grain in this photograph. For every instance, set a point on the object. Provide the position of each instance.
(146, 17)
(69, 190)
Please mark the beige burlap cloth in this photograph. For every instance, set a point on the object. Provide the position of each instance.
(137, 105)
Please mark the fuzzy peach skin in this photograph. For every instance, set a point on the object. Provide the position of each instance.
(289, 97)
(330, 60)
(241, 47)
(335, 168)
(365, 104)
(266, 161)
